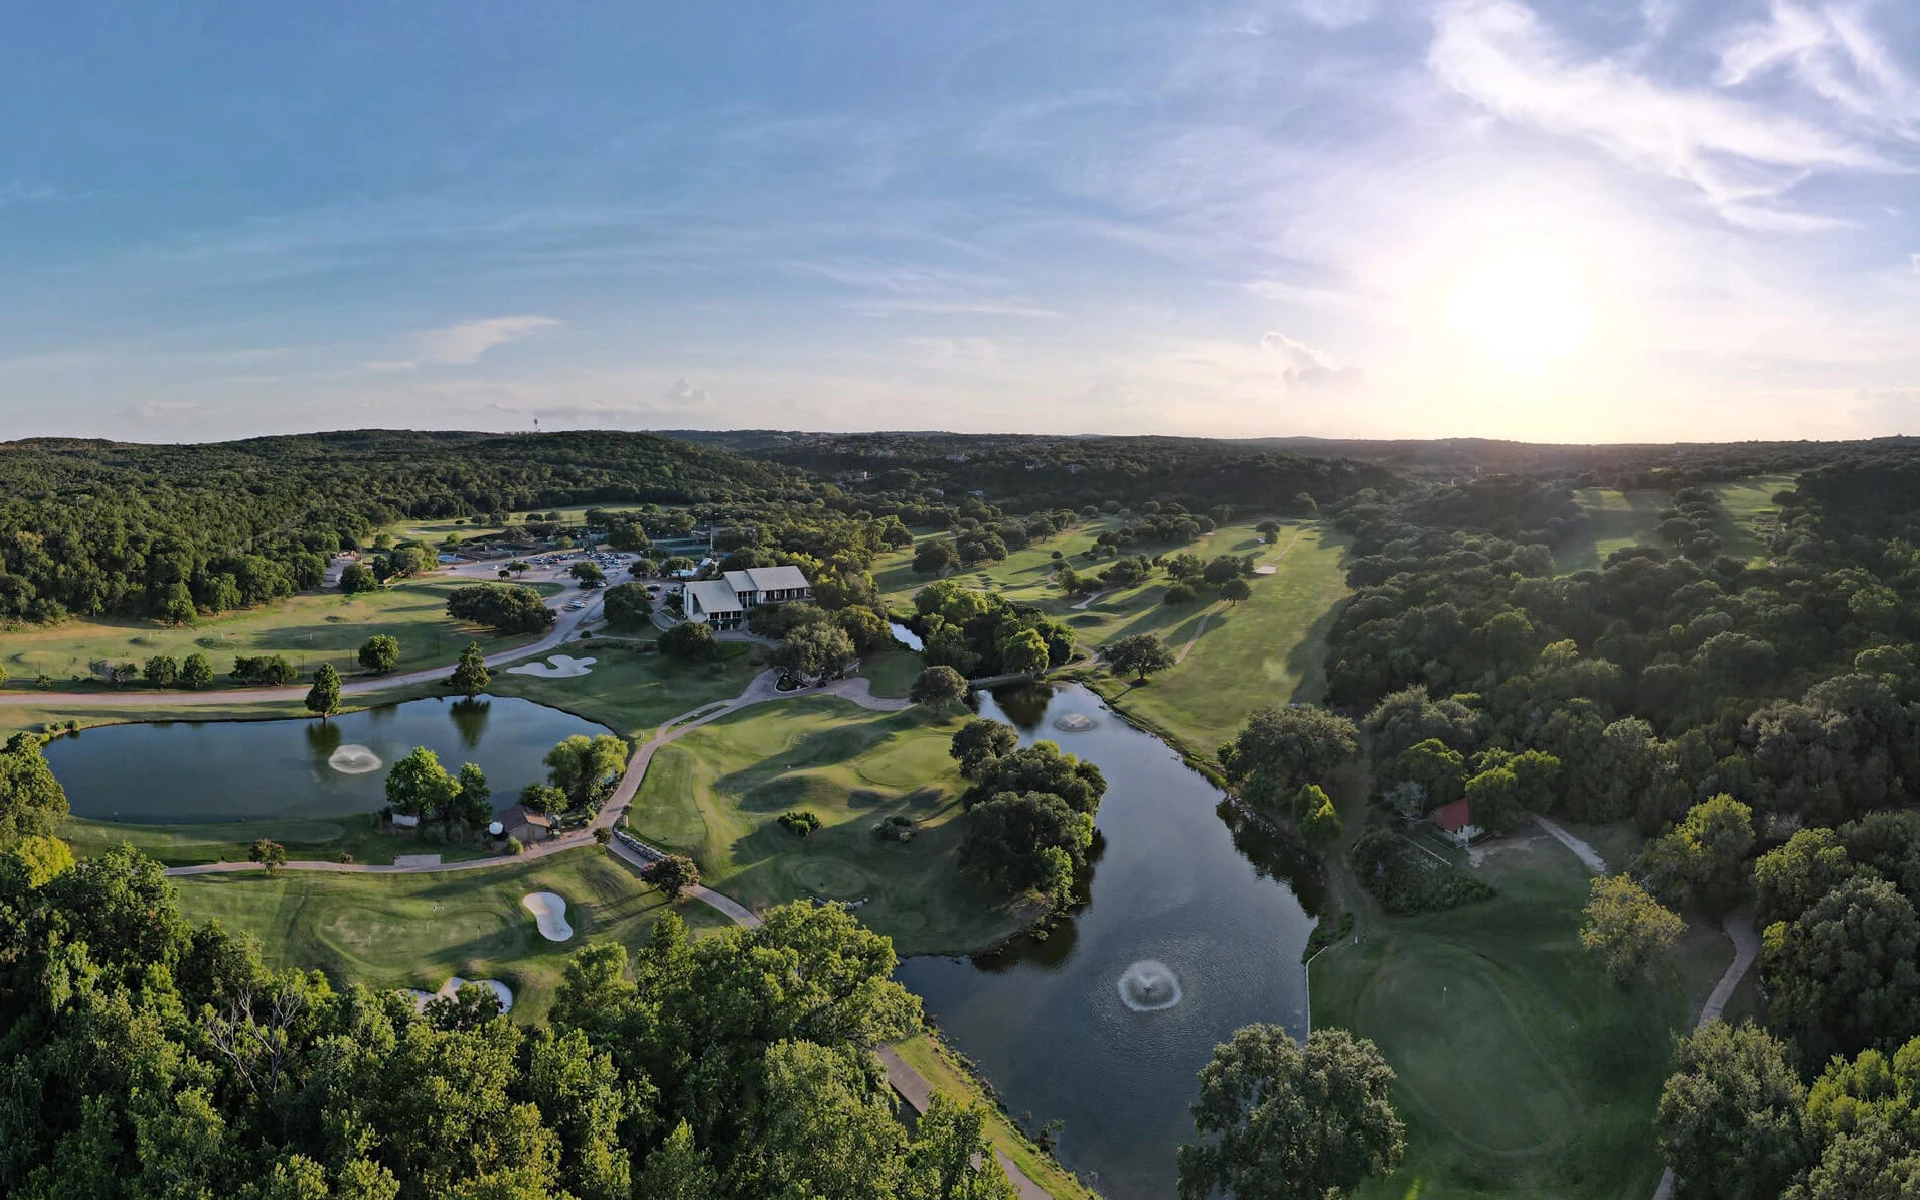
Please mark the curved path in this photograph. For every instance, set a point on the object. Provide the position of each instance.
(1746, 947)
(763, 689)
(1586, 853)
(564, 625)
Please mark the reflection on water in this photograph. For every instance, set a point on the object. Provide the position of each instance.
(186, 771)
(1192, 902)
(906, 637)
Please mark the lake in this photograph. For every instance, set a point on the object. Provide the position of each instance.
(196, 771)
(1192, 907)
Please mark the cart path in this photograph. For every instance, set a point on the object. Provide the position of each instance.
(1746, 947)
(564, 625)
(1586, 853)
(763, 689)
(918, 1093)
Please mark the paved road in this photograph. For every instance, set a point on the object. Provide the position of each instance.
(1746, 947)
(564, 626)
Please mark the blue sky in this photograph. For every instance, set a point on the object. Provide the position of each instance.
(1680, 219)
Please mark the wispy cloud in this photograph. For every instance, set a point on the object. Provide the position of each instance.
(1302, 364)
(1832, 52)
(1742, 156)
(458, 345)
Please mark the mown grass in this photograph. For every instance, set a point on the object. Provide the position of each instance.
(310, 629)
(417, 930)
(633, 690)
(891, 672)
(1523, 1070)
(1617, 520)
(717, 793)
(182, 845)
(927, 1055)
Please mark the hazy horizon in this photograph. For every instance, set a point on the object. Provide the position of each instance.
(1544, 222)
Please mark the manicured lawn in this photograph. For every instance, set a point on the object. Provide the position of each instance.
(1616, 520)
(180, 845)
(891, 672)
(310, 629)
(716, 794)
(1522, 1069)
(1266, 650)
(927, 1055)
(633, 690)
(416, 930)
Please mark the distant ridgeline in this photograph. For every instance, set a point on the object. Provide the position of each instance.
(1021, 473)
(100, 527)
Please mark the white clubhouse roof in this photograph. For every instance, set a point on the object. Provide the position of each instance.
(766, 579)
(713, 596)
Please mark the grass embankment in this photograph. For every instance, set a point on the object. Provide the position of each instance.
(184, 845)
(417, 930)
(926, 1054)
(633, 690)
(310, 629)
(1523, 1070)
(717, 793)
(891, 672)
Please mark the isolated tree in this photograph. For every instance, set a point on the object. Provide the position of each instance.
(674, 875)
(358, 577)
(1139, 655)
(323, 698)
(691, 642)
(471, 677)
(1269, 531)
(1626, 926)
(937, 687)
(1235, 590)
(1729, 1121)
(579, 765)
(269, 854)
(819, 650)
(162, 670)
(979, 742)
(380, 653)
(196, 671)
(1281, 1121)
(418, 786)
(588, 574)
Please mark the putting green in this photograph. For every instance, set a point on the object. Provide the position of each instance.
(1463, 1052)
(381, 937)
(833, 880)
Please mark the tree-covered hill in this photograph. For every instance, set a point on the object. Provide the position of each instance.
(104, 527)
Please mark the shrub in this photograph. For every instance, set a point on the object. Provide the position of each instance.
(515, 845)
(1405, 880)
(802, 822)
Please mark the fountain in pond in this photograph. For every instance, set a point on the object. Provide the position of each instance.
(1075, 722)
(1148, 986)
(354, 759)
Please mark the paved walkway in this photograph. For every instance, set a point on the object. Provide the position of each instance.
(564, 626)
(1588, 854)
(917, 1092)
(1746, 947)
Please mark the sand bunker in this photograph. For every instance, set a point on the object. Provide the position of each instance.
(557, 666)
(549, 911)
(354, 759)
(1266, 569)
(453, 985)
(1075, 723)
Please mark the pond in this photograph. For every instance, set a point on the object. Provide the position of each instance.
(173, 772)
(905, 636)
(1193, 929)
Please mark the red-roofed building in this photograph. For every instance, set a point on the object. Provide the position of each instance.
(1456, 821)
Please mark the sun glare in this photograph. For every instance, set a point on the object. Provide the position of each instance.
(1524, 308)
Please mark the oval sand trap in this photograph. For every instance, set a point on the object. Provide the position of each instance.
(453, 985)
(354, 759)
(1266, 569)
(557, 666)
(549, 911)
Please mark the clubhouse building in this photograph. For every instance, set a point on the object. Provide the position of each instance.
(723, 602)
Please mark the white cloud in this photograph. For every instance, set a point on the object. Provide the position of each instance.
(1831, 52)
(1302, 364)
(1741, 156)
(458, 345)
(1336, 14)
(684, 394)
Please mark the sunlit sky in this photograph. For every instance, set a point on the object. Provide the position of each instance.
(1587, 221)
